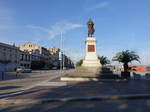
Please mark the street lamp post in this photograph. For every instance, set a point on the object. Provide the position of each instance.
(61, 53)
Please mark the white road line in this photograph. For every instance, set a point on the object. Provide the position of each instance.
(11, 94)
(29, 87)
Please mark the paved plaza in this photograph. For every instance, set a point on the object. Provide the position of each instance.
(47, 86)
(78, 89)
(82, 106)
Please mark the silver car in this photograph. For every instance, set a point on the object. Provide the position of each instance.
(23, 70)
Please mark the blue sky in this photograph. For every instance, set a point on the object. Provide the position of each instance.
(119, 25)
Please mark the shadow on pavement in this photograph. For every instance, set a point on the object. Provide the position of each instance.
(9, 87)
(74, 89)
(96, 106)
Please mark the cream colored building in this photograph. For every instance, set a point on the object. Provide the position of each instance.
(38, 52)
(9, 57)
(54, 50)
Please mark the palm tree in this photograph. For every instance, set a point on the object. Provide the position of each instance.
(103, 60)
(79, 63)
(126, 57)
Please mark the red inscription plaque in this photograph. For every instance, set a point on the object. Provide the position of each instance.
(91, 48)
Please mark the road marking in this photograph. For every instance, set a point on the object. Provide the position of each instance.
(52, 84)
(29, 87)
(11, 94)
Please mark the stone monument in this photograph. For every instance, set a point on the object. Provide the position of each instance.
(91, 67)
(91, 59)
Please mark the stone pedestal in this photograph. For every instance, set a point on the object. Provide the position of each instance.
(89, 74)
(91, 69)
(91, 59)
(83, 74)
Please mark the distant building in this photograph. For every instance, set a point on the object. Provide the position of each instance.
(54, 57)
(57, 61)
(40, 56)
(54, 50)
(38, 52)
(140, 68)
(34, 49)
(9, 57)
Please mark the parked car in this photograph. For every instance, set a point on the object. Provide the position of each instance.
(45, 68)
(54, 68)
(23, 70)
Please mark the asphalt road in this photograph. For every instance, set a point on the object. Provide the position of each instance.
(25, 81)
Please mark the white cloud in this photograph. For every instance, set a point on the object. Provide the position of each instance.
(62, 27)
(55, 30)
(75, 55)
(39, 28)
(98, 6)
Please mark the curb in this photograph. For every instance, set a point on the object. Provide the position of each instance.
(71, 99)
(82, 79)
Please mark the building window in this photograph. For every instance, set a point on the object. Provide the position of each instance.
(25, 57)
(21, 57)
(30, 45)
(28, 57)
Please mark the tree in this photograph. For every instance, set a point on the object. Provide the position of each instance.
(37, 64)
(103, 60)
(79, 63)
(126, 57)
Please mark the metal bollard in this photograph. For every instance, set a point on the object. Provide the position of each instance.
(16, 74)
(2, 75)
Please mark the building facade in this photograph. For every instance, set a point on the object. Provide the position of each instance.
(40, 56)
(31, 55)
(60, 61)
(35, 49)
(139, 68)
(54, 57)
(38, 52)
(9, 57)
(25, 59)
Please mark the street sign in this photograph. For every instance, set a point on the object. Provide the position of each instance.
(60, 55)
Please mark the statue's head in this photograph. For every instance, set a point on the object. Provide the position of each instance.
(91, 29)
(90, 22)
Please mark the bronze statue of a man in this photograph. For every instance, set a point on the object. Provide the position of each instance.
(91, 29)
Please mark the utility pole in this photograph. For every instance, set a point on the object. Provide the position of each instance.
(61, 52)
